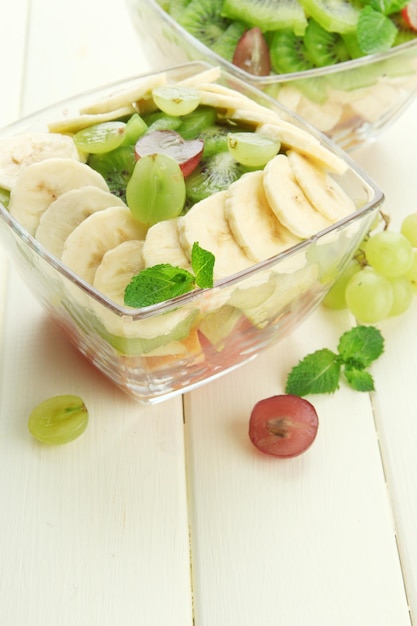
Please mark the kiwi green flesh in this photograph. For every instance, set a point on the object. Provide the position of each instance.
(267, 14)
(214, 173)
(324, 48)
(340, 16)
(203, 20)
(226, 44)
(116, 167)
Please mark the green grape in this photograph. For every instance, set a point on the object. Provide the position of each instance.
(411, 275)
(403, 295)
(135, 128)
(156, 189)
(336, 297)
(390, 253)
(176, 100)
(369, 296)
(100, 138)
(409, 228)
(58, 420)
(252, 149)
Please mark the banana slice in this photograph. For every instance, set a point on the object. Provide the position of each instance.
(141, 89)
(204, 77)
(41, 183)
(162, 245)
(295, 138)
(117, 268)
(324, 193)
(19, 151)
(74, 124)
(68, 211)
(323, 116)
(252, 221)
(288, 201)
(85, 247)
(206, 224)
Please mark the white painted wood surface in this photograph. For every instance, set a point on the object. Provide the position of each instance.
(158, 510)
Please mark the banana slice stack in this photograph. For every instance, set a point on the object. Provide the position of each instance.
(68, 207)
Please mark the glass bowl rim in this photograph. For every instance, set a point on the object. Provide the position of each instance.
(162, 307)
(273, 79)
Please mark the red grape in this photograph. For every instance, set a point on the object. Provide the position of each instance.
(283, 426)
(252, 53)
(187, 152)
(409, 13)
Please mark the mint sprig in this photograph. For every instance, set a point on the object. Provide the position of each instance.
(164, 281)
(375, 31)
(320, 371)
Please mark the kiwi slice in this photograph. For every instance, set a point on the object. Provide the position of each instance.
(214, 173)
(324, 48)
(175, 7)
(196, 122)
(116, 167)
(226, 44)
(269, 15)
(157, 120)
(289, 53)
(339, 16)
(203, 20)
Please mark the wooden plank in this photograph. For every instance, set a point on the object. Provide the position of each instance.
(392, 163)
(94, 532)
(303, 541)
(89, 44)
(14, 24)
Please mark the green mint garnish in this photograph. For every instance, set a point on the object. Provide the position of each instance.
(387, 7)
(202, 262)
(164, 281)
(375, 31)
(320, 371)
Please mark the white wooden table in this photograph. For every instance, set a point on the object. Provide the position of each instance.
(167, 516)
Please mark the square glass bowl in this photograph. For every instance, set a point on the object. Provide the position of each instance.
(351, 102)
(162, 350)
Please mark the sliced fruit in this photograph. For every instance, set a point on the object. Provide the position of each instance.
(176, 100)
(85, 247)
(138, 91)
(269, 15)
(289, 53)
(206, 223)
(252, 149)
(117, 268)
(100, 138)
(162, 245)
(67, 212)
(324, 47)
(156, 189)
(41, 183)
(19, 151)
(409, 13)
(252, 221)
(288, 201)
(340, 16)
(187, 153)
(116, 167)
(217, 325)
(252, 53)
(225, 45)
(74, 124)
(214, 173)
(203, 20)
(324, 193)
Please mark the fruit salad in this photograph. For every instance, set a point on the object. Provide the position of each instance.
(167, 204)
(346, 67)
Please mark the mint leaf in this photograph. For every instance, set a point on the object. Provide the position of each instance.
(361, 345)
(359, 379)
(157, 284)
(202, 262)
(318, 372)
(387, 7)
(375, 31)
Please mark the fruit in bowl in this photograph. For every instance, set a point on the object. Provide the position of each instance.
(176, 224)
(349, 68)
